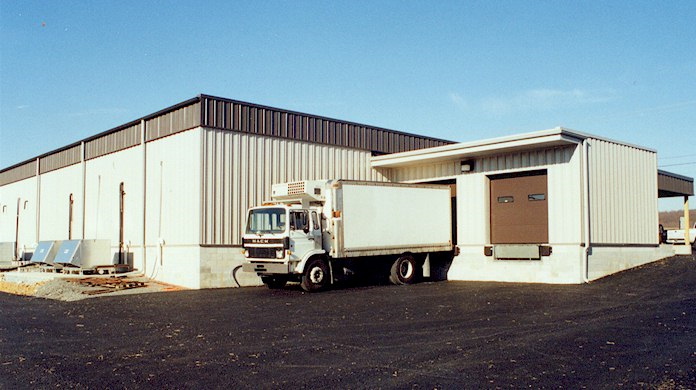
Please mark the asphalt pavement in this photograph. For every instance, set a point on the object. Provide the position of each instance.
(636, 329)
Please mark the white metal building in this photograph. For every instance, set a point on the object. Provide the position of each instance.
(170, 190)
(555, 206)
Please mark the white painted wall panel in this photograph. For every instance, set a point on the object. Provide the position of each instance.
(56, 188)
(623, 194)
(423, 172)
(173, 189)
(473, 217)
(25, 191)
(239, 169)
(103, 177)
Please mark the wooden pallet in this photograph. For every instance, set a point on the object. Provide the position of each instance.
(77, 271)
(28, 267)
(112, 269)
(107, 285)
(49, 269)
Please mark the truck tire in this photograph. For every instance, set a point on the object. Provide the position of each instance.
(274, 282)
(316, 276)
(405, 270)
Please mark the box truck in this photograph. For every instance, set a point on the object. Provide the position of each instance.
(317, 232)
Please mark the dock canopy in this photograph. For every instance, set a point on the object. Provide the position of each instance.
(670, 185)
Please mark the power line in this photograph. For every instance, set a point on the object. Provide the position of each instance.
(674, 165)
(671, 157)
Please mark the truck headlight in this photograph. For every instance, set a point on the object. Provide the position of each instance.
(246, 253)
(280, 253)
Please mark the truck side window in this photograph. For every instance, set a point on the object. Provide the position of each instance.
(299, 220)
(315, 221)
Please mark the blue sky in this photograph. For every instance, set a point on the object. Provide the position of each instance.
(463, 70)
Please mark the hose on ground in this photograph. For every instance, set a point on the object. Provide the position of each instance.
(234, 275)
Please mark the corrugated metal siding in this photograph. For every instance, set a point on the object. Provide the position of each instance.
(239, 169)
(113, 142)
(60, 159)
(423, 172)
(18, 173)
(534, 158)
(245, 117)
(502, 162)
(180, 119)
(623, 194)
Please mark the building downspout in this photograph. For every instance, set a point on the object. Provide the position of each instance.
(586, 210)
(38, 199)
(83, 164)
(143, 138)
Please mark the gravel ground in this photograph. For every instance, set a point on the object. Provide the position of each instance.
(636, 329)
(70, 289)
(62, 290)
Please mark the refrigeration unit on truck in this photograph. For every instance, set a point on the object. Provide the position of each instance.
(316, 232)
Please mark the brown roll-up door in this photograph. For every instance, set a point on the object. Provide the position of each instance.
(519, 208)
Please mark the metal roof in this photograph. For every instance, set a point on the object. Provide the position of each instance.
(544, 138)
(226, 114)
(670, 184)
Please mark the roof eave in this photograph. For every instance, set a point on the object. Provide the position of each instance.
(528, 141)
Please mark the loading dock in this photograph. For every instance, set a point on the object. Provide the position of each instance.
(553, 206)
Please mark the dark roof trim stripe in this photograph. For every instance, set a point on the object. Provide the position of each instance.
(107, 132)
(203, 96)
(674, 175)
(199, 99)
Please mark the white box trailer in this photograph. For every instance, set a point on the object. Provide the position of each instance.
(311, 225)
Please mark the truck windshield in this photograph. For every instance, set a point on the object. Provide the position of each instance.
(270, 220)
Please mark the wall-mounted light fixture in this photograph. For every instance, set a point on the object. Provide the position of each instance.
(467, 166)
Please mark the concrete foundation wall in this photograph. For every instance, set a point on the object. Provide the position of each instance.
(606, 261)
(218, 265)
(564, 266)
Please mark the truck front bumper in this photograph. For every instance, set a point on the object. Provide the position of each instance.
(266, 267)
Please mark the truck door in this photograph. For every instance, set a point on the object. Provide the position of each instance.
(301, 235)
(316, 230)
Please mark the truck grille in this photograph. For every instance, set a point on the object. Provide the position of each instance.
(262, 253)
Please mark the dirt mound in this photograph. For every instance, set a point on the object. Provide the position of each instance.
(18, 288)
(61, 290)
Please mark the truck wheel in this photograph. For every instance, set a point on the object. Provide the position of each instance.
(405, 270)
(274, 282)
(316, 275)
